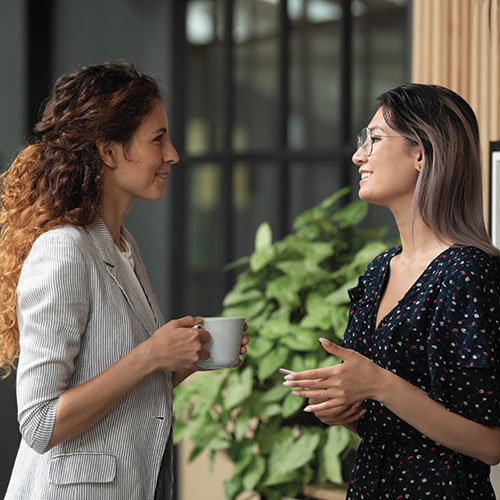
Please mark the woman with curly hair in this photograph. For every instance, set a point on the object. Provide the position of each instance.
(96, 362)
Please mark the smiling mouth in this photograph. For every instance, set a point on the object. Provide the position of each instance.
(163, 176)
(365, 175)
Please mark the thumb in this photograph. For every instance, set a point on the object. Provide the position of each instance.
(334, 349)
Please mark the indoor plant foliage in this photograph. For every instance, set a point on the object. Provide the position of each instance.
(291, 292)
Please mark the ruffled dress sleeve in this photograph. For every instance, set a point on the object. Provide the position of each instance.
(463, 342)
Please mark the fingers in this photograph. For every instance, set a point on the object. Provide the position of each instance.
(244, 340)
(204, 354)
(203, 335)
(334, 349)
(186, 321)
(317, 394)
(245, 327)
(309, 375)
(308, 383)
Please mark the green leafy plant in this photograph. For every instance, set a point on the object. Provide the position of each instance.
(291, 292)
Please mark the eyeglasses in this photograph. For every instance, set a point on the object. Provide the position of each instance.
(366, 140)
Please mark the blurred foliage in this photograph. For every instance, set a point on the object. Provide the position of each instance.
(291, 292)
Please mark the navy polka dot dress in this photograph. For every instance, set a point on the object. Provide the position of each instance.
(443, 337)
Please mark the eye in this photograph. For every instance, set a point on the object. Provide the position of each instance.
(376, 138)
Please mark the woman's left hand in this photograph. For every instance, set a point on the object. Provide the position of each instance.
(356, 379)
(243, 349)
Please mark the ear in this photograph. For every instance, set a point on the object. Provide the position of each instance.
(419, 159)
(107, 152)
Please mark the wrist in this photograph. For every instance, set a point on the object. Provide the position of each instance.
(382, 384)
(146, 357)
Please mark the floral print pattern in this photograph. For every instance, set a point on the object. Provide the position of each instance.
(443, 337)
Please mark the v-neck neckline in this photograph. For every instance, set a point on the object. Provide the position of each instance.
(385, 278)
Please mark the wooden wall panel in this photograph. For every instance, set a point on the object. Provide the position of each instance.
(456, 44)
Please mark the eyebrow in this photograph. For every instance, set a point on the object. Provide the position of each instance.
(160, 130)
(376, 127)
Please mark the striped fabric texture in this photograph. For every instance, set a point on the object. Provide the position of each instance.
(79, 313)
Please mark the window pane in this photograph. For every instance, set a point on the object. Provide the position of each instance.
(314, 72)
(379, 53)
(254, 200)
(310, 184)
(204, 100)
(256, 75)
(205, 245)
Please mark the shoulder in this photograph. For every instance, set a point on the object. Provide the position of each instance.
(381, 261)
(470, 279)
(69, 241)
(63, 233)
(470, 266)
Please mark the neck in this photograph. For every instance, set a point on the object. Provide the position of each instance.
(113, 213)
(418, 241)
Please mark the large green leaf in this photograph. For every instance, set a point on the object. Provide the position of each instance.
(267, 433)
(351, 214)
(275, 328)
(263, 237)
(312, 251)
(273, 360)
(238, 296)
(261, 258)
(254, 473)
(331, 200)
(291, 405)
(245, 456)
(239, 387)
(318, 312)
(338, 438)
(283, 289)
(259, 346)
(233, 487)
(241, 423)
(301, 339)
(340, 296)
(289, 454)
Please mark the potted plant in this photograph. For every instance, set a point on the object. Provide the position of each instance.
(291, 292)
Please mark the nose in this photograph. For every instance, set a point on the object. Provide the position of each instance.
(170, 154)
(358, 158)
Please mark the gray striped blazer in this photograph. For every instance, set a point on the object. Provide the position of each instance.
(78, 314)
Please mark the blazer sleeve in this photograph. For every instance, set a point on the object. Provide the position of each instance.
(53, 306)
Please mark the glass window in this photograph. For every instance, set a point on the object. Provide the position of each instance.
(256, 75)
(204, 74)
(380, 54)
(254, 202)
(314, 73)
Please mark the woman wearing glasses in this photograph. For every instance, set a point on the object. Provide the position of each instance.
(420, 378)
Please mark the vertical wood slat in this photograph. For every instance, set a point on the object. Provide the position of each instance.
(494, 122)
(456, 44)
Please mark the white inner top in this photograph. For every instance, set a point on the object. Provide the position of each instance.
(129, 267)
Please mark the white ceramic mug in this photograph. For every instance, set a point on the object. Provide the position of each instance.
(225, 341)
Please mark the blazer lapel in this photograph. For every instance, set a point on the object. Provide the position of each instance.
(104, 243)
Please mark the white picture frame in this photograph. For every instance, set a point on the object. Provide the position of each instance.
(494, 215)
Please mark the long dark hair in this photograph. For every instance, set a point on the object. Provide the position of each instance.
(448, 194)
(57, 179)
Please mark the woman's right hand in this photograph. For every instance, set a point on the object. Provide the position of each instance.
(178, 346)
(335, 415)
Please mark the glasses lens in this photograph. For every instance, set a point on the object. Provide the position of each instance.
(365, 141)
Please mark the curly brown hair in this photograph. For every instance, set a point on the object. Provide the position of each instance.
(57, 179)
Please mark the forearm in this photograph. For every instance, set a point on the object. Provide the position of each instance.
(432, 419)
(79, 408)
